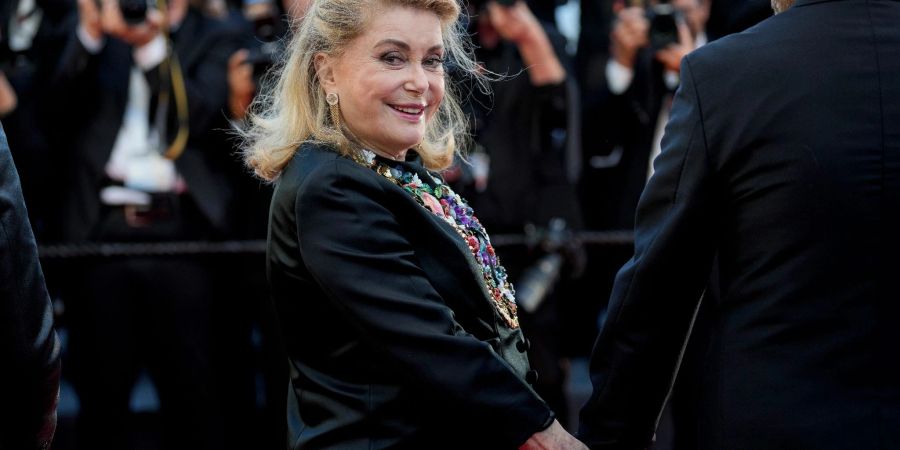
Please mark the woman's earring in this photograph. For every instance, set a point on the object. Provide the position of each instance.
(332, 99)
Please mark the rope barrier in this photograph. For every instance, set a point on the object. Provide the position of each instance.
(213, 248)
(126, 249)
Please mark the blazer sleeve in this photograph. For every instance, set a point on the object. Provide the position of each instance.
(29, 349)
(358, 253)
(656, 293)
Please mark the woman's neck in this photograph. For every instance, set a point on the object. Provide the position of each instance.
(400, 156)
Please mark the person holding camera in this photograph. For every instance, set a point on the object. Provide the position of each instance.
(149, 88)
(628, 76)
(623, 127)
(519, 176)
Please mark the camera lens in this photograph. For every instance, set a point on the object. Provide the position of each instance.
(663, 26)
(133, 11)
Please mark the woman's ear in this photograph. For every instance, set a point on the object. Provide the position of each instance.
(325, 71)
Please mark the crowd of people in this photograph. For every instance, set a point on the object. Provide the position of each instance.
(376, 145)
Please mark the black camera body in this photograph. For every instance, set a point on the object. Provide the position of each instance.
(133, 11)
(266, 30)
(663, 31)
(262, 59)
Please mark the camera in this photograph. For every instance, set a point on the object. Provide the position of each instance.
(265, 21)
(133, 11)
(561, 249)
(664, 19)
(262, 59)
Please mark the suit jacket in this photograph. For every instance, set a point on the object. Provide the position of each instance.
(35, 128)
(29, 382)
(97, 85)
(392, 339)
(781, 163)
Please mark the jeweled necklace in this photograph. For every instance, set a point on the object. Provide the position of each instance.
(449, 206)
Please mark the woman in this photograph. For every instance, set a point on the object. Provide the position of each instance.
(399, 322)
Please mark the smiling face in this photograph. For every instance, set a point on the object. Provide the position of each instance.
(389, 79)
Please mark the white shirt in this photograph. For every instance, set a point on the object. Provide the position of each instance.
(135, 159)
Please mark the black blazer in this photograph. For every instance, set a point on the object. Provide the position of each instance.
(781, 158)
(392, 339)
(97, 87)
(29, 349)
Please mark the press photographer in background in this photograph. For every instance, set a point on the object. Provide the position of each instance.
(629, 77)
(519, 173)
(641, 73)
(267, 23)
(146, 163)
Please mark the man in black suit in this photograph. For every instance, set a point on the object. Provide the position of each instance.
(780, 175)
(146, 166)
(29, 381)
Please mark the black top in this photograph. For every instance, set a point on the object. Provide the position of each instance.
(781, 159)
(392, 338)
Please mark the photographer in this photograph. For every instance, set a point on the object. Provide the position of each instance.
(646, 45)
(147, 91)
(518, 174)
(627, 82)
(267, 25)
(634, 30)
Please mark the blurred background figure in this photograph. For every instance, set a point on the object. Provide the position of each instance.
(627, 66)
(266, 26)
(145, 164)
(520, 176)
(646, 45)
(29, 348)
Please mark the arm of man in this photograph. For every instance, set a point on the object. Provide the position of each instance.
(657, 291)
(29, 349)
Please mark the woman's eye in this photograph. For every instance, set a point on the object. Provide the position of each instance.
(434, 62)
(392, 59)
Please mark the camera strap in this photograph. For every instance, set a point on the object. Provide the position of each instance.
(172, 83)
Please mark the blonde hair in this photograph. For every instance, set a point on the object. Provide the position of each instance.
(295, 110)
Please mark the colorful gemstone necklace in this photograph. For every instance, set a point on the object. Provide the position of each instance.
(449, 206)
